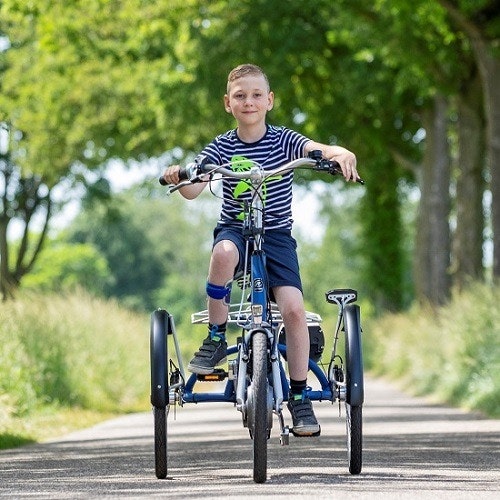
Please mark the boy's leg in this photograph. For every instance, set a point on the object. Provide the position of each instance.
(224, 260)
(223, 263)
(291, 305)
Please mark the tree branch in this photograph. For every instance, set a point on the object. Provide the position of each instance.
(473, 32)
(405, 162)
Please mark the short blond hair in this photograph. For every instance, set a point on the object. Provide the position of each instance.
(246, 70)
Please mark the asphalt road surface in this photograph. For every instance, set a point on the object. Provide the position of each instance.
(412, 449)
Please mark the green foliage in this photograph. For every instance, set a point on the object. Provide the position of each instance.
(452, 352)
(156, 248)
(334, 260)
(63, 266)
(382, 223)
(71, 350)
(87, 81)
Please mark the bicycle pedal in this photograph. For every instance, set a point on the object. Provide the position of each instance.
(217, 375)
(312, 434)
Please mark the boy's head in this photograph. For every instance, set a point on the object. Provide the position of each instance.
(248, 96)
(245, 70)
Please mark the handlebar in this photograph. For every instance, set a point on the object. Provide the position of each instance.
(196, 171)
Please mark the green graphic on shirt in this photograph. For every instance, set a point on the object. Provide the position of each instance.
(242, 164)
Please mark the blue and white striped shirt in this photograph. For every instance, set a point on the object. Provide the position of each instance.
(279, 146)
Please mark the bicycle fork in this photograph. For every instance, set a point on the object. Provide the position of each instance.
(275, 388)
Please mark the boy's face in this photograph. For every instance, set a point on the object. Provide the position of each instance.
(249, 99)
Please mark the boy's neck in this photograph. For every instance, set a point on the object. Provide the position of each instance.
(251, 134)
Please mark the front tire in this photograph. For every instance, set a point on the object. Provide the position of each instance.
(259, 410)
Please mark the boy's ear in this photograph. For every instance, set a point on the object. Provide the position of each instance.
(227, 107)
(270, 101)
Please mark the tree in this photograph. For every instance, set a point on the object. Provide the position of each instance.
(22, 198)
(63, 266)
(433, 232)
(156, 249)
(437, 57)
(88, 81)
(82, 83)
(467, 250)
(329, 85)
(479, 22)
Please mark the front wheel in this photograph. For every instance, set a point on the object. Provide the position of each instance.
(258, 406)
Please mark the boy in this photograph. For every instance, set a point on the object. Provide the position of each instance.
(248, 99)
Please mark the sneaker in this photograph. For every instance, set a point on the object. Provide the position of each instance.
(211, 353)
(304, 421)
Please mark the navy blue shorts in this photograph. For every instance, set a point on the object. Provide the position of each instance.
(281, 254)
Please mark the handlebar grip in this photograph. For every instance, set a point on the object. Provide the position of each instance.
(184, 174)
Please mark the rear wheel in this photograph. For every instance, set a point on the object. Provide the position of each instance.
(354, 423)
(258, 403)
(159, 387)
(160, 426)
(354, 388)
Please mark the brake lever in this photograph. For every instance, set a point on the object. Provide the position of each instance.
(175, 187)
(333, 168)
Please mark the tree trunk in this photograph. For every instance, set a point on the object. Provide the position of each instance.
(432, 278)
(490, 67)
(6, 285)
(467, 251)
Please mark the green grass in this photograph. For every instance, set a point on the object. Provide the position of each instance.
(70, 355)
(46, 423)
(451, 353)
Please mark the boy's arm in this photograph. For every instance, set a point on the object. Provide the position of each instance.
(345, 158)
(191, 191)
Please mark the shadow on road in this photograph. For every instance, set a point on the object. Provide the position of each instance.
(409, 447)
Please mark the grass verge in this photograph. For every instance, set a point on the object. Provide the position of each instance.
(68, 361)
(450, 353)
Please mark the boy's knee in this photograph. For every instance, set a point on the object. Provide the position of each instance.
(225, 251)
(295, 314)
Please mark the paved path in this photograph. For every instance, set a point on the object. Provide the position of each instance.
(411, 450)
